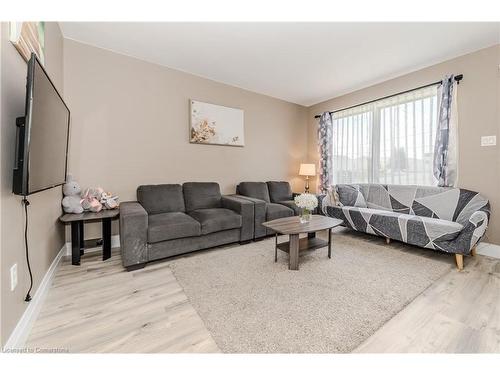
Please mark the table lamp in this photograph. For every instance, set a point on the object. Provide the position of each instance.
(307, 170)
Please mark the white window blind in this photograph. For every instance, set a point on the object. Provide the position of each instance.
(390, 141)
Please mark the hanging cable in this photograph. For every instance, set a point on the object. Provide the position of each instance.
(26, 204)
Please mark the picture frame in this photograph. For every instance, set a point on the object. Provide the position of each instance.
(28, 37)
(214, 124)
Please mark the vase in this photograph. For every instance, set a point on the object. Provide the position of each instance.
(305, 216)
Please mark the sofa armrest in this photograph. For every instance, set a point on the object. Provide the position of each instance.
(476, 227)
(319, 209)
(259, 214)
(472, 232)
(246, 210)
(133, 234)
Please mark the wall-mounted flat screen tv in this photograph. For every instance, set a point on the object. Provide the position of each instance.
(42, 135)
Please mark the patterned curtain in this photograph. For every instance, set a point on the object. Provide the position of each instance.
(325, 143)
(446, 146)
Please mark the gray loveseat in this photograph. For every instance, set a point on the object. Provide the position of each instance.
(452, 220)
(272, 200)
(171, 219)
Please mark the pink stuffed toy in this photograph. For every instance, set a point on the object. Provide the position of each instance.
(90, 200)
(109, 200)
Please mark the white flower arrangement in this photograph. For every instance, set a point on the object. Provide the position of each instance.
(306, 201)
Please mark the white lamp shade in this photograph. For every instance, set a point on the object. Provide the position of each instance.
(307, 170)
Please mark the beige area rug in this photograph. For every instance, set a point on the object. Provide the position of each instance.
(252, 305)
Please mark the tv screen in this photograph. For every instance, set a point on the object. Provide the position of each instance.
(42, 142)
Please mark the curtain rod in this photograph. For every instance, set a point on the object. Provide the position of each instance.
(458, 78)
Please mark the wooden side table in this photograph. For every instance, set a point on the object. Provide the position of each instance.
(77, 222)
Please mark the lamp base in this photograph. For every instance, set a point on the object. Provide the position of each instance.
(306, 189)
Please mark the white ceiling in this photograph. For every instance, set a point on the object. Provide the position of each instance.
(303, 63)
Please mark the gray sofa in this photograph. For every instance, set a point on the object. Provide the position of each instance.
(272, 200)
(452, 220)
(168, 220)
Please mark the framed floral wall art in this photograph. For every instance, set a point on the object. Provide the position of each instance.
(28, 37)
(216, 125)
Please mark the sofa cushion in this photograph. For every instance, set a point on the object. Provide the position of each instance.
(161, 198)
(350, 195)
(291, 204)
(198, 195)
(256, 190)
(417, 230)
(216, 219)
(439, 228)
(277, 211)
(171, 225)
(279, 191)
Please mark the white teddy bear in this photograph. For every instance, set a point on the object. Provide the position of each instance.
(72, 202)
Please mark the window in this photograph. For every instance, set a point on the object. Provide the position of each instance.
(390, 141)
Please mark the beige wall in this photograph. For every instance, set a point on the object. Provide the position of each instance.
(478, 105)
(46, 235)
(130, 122)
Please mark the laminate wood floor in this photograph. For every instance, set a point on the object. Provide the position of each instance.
(460, 313)
(99, 307)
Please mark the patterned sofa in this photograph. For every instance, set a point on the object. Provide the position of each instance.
(452, 220)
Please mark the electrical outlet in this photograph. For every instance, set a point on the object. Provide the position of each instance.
(13, 277)
(489, 140)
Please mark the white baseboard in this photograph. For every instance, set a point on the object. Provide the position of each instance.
(489, 249)
(23, 328)
(115, 242)
(17, 339)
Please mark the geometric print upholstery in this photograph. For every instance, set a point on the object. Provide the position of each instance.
(350, 195)
(441, 218)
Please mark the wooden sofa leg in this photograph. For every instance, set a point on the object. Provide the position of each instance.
(387, 240)
(473, 251)
(459, 259)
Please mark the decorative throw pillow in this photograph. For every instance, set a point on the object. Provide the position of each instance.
(350, 195)
(331, 199)
(334, 196)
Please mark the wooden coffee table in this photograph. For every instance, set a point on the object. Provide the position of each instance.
(293, 227)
